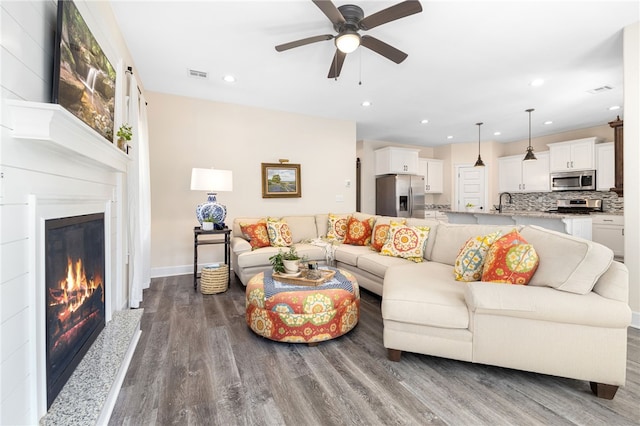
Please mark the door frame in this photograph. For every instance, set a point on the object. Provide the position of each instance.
(456, 183)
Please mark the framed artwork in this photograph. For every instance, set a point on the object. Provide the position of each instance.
(281, 180)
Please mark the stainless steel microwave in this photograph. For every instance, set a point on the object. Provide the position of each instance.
(584, 180)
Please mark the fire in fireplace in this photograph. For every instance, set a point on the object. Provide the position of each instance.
(75, 293)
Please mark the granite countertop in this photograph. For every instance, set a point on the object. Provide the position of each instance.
(528, 213)
(531, 213)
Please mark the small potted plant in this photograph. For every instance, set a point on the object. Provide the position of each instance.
(286, 262)
(207, 224)
(124, 135)
(470, 207)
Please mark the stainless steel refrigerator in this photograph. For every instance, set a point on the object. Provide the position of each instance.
(400, 195)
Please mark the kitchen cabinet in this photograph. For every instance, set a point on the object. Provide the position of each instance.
(515, 175)
(395, 160)
(608, 230)
(572, 155)
(605, 166)
(436, 214)
(432, 170)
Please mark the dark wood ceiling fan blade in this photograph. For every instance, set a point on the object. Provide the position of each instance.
(383, 49)
(328, 8)
(389, 14)
(302, 42)
(336, 64)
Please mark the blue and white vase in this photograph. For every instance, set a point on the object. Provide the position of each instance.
(211, 209)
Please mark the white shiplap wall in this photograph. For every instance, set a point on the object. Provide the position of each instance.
(26, 61)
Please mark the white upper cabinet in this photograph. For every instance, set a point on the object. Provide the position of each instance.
(605, 166)
(515, 175)
(432, 170)
(573, 155)
(392, 160)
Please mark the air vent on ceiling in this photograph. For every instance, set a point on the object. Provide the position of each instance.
(197, 74)
(599, 90)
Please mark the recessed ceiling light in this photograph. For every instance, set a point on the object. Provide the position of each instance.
(536, 82)
(548, 122)
(613, 108)
(229, 78)
(497, 133)
(366, 104)
(425, 121)
(449, 137)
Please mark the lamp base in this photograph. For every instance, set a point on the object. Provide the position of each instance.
(211, 209)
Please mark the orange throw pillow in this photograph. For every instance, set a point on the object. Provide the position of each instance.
(257, 234)
(359, 231)
(510, 260)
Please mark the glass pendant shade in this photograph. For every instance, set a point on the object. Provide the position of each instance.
(348, 41)
(479, 162)
(529, 155)
(212, 181)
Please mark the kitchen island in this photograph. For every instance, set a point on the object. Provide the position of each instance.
(578, 225)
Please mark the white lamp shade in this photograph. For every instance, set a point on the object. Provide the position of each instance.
(211, 180)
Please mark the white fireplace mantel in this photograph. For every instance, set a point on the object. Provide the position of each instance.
(61, 131)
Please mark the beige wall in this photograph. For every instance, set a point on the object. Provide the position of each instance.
(187, 133)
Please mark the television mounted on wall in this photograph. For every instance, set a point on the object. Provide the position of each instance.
(84, 81)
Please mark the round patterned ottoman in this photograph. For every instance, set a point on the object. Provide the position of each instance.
(302, 314)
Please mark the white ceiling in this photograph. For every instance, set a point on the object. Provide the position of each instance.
(468, 62)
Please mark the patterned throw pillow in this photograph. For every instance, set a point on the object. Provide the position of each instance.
(359, 231)
(256, 233)
(470, 260)
(407, 242)
(510, 260)
(279, 233)
(381, 234)
(337, 229)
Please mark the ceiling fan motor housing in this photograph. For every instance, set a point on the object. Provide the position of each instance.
(352, 15)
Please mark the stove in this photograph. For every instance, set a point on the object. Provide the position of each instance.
(577, 206)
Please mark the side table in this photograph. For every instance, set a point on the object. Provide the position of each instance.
(226, 233)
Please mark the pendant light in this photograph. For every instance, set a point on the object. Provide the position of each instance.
(529, 155)
(479, 162)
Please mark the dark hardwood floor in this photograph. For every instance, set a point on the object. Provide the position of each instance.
(197, 363)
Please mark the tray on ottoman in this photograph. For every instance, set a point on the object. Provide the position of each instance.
(302, 279)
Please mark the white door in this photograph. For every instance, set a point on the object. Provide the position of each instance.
(470, 187)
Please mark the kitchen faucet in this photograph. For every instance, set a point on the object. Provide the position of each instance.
(500, 201)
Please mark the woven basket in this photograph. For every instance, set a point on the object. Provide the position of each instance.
(214, 280)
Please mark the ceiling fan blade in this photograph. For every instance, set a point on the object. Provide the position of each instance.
(383, 49)
(328, 8)
(336, 64)
(302, 42)
(389, 14)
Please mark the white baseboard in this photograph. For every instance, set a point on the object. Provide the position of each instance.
(170, 271)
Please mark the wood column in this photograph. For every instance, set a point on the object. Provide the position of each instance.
(618, 144)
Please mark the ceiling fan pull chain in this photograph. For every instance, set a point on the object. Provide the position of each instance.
(360, 57)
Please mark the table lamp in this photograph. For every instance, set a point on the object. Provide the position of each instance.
(212, 181)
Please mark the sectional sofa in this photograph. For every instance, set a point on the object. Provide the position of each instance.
(570, 320)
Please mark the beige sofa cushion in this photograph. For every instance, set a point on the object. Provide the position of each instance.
(567, 263)
(377, 264)
(260, 257)
(436, 302)
(450, 238)
(614, 283)
(302, 227)
(349, 254)
(546, 304)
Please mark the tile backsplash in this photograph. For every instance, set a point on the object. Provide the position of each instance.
(541, 201)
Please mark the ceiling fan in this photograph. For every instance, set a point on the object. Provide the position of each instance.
(347, 20)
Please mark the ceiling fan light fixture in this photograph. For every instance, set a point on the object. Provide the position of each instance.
(529, 156)
(348, 41)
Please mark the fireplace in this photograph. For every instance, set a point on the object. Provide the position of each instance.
(75, 293)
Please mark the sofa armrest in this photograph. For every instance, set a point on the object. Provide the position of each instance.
(546, 304)
(240, 245)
